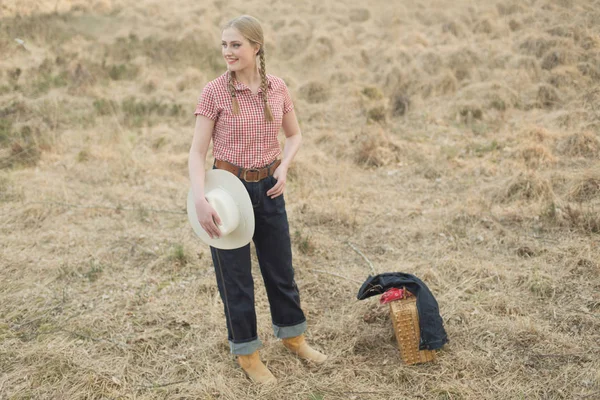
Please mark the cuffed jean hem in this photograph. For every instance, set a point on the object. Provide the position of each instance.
(284, 332)
(246, 348)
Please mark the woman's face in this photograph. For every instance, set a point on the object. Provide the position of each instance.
(238, 52)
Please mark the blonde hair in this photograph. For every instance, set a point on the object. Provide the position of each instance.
(250, 28)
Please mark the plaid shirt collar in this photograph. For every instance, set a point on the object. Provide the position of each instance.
(239, 86)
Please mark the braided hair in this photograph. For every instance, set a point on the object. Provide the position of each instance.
(264, 84)
(250, 28)
(231, 87)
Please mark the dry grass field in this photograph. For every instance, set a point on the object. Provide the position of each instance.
(455, 140)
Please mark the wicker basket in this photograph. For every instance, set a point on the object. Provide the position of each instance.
(405, 319)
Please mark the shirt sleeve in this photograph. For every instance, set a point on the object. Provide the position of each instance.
(206, 103)
(287, 100)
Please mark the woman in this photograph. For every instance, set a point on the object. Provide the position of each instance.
(243, 111)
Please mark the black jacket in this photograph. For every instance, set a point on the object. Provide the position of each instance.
(433, 335)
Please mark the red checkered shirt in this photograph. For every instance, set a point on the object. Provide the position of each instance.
(247, 139)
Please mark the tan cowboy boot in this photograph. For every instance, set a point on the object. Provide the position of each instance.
(299, 346)
(255, 369)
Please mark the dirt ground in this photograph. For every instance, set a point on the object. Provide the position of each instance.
(455, 140)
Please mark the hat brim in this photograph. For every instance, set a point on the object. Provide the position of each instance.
(242, 235)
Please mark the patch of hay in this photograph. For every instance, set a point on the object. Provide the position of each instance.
(293, 42)
(585, 219)
(586, 188)
(509, 8)
(80, 76)
(192, 78)
(589, 69)
(570, 120)
(446, 83)
(590, 42)
(501, 60)
(320, 50)
(375, 148)
(591, 56)
(372, 93)
(455, 28)
(20, 146)
(359, 15)
(485, 26)
(341, 77)
(557, 56)
(431, 62)
(20, 154)
(377, 114)
(547, 96)
(400, 104)
(416, 39)
(402, 80)
(442, 84)
(528, 64)
(537, 45)
(584, 144)
(525, 186)
(536, 156)
(514, 25)
(428, 170)
(8, 189)
(565, 31)
(489, 95)
(538, 134)
(467, 112)
(565, 77)
(315, 92)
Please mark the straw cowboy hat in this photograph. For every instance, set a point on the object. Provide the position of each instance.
(228, 196)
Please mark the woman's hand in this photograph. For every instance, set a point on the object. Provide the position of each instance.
(208, 218)
(280, 175)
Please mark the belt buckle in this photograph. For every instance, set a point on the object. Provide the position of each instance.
(251, 170)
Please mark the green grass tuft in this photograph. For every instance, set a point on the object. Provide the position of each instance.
(177, 255)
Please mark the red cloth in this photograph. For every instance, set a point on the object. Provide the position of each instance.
(247, 139)
(393, 294)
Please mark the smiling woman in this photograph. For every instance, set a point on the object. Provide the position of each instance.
(240, 53)
(242, 111)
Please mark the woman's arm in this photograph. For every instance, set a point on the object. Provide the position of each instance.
(207, 216)
(293, 139)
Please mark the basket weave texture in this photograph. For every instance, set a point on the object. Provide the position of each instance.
(405, 319)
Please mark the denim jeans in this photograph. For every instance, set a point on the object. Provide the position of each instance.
(234, 278)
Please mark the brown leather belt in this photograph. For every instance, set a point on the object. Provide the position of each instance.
(248, 174)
